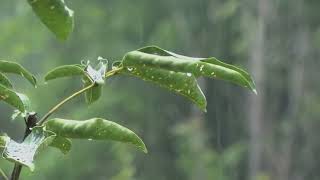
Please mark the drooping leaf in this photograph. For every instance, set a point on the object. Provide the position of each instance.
(5, 81)
(94, 129)
(158, 58)
(17, 100)
(55, 15)
(65, 71)
(13, 67)
(25, 152)
(97, 75)
(181, 83)
(61, 143)
(92, 95)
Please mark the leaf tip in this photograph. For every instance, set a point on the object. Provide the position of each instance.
(144, 149)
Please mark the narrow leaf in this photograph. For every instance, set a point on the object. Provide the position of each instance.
(4, 139)
(65, 71)
(25, 152)
(55, 15)
(19, 101)
(5, 81)
(181, 83)
(93, 94)
(155, 57)
(94, 129)
(12, 67)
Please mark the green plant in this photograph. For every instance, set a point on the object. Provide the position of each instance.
(174, 72)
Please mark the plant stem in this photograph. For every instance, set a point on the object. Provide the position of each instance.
(17, 168)
(3, 174)
(55, 108)
(113, 72)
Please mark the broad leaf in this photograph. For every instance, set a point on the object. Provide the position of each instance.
(19, 101)
(181, 83)
(65, 71)
(25, 152)
(55, 15)
(94, 129)
(12, 67)
(5, 81)
(155, 57)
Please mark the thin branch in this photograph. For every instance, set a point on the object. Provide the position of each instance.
(113, 72)
(55, 108)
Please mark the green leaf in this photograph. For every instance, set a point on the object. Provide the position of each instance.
(25, 152)
(55, 15)
(65, 71)
(94, 129)
(158, 58)
(93, 94)
(12, 67)
(61, 143)
(17, 100)
(5, 81)
(181, 83)
(97, 75)
(4, 139)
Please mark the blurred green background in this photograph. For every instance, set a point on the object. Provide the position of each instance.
(272, 136)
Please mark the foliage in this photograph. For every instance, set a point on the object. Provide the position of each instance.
(174, 72)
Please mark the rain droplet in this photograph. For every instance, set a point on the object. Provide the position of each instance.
(52, 7)
(89, 139)
(189, 74)
(130, 69)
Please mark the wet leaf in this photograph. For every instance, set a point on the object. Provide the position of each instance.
(61, 143)
(17, 100)
(25, 152)
(65, 71)
(181, 83)
(15, 68)
(5, 81)
(55, 15)
(158, 58)
(94, 129)
(93, 94)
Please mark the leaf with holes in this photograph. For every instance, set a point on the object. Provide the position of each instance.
(55, 15)
(15, 68)
(181, 83)
(17, 100)
(5, 81)
(158, 58)
(95, 129)
(25, 152)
